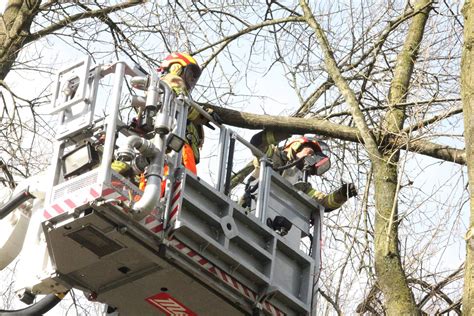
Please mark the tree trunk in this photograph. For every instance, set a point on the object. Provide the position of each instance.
(391, 276)
(467, 94)
(14, 31)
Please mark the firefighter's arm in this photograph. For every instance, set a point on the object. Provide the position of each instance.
(266, 141)
(177, 84)
(336, 199)
(263, 139)
(195, 117)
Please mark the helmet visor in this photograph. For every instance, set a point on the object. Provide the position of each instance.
(191, 75)
(318, 163)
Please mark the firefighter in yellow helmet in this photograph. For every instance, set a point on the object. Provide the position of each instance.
(181, 72)
(301, 158)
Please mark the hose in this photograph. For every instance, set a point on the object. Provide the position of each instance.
(14, 202)
(154, 172)
(39, 308)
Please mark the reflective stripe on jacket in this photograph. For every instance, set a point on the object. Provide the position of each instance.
(330, 201)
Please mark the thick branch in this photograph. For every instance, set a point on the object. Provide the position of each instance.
(322, 127)
(17, 20)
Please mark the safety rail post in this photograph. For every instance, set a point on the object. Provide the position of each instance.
(181, 108)
(316, 255)
(230, 163)
(224, 140)
(263, 189)
(112, 122)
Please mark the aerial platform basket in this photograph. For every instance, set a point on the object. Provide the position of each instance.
(213, 259)
(197, 252)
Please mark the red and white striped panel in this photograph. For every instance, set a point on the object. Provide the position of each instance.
(153, 222)
(175, 203)
(71, 203)
(223, 276)
(111, 193)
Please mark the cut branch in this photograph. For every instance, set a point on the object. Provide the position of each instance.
(323, 127)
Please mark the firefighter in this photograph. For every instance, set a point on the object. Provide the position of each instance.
(181, 72)
(301, 158)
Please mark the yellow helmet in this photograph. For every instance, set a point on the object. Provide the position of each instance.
(183, 65)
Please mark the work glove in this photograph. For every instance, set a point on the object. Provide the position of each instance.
(214, 115)
(347, 189)
(302, 186)
(246, 200)
(249, 195)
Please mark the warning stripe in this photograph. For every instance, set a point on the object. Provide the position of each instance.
(176, 197)
(152, 222)
(46, 214)
(67, 204)
(174, 212)
(94, 193)
(107, 191)
(175, 203)
(70, 203)
(149, 219)
(223, 276)
(157, 229)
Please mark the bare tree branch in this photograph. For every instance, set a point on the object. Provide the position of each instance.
(325, 128)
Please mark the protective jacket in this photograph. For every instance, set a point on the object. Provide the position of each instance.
(265, 141)
(194, 128)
